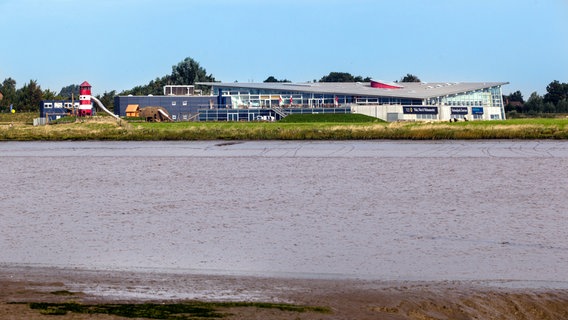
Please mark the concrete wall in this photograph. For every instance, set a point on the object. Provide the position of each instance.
(395, 113)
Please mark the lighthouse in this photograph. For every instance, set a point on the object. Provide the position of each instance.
(85, 105)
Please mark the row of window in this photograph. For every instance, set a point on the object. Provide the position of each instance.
(323, 99)
(456, 116)
(426, 116)
(486, 97)
(465, 103)
(59, 105)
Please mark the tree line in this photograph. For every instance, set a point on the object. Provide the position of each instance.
(555, 100)
(30, 95)
(347, 77)
(188, 72)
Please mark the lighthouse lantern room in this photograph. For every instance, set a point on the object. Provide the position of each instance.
(85, 105)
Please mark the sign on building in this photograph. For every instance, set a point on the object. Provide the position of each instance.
(459, 110)
(419, 110)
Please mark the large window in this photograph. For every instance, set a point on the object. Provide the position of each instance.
(481, 97)
(426, 116)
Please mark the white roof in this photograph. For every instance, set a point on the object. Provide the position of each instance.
(412, 90)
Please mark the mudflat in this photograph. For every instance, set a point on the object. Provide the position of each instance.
(345, 299)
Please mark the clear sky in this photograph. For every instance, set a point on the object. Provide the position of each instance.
(119, 44)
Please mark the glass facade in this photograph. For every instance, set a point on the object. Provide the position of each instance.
(260, 114)
(241, 99)
(475, 104)
(388, 100)
(254, 97)
(488, 97)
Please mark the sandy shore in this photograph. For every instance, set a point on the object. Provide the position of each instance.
(349, 299)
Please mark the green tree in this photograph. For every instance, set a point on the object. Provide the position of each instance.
(514, 102)
(48, 95)
(107, 99)
(68, 91)
(273, 79)
(516, 96)
(361, 79)
(562, 106)
(534, 104)
(136, 91)
(186, 72)
(8, 89)
(410, 78)
(154, 87)
(549, 107)
(29, 96)
(340, 77)
(556, 92)
(189, 72)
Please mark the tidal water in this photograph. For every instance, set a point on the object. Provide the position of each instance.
(387, 210)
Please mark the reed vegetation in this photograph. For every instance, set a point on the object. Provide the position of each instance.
(318, 128)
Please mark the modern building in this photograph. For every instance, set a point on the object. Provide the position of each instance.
(55, 109)
(405, 101)
(388, 101)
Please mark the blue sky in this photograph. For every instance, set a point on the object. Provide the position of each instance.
(119, 44)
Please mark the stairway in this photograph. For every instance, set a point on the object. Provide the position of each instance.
(279, 111)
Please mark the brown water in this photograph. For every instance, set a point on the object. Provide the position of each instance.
(456, 210)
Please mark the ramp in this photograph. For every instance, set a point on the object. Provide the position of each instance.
(165, 114)
(103, 107)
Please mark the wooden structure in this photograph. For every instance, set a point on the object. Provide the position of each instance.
(133, 110)
(155, 114)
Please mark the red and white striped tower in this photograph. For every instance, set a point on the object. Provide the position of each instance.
(85, 106)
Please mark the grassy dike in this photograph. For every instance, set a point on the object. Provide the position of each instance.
(18, 127)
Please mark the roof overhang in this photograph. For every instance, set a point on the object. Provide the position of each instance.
(410, 90)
